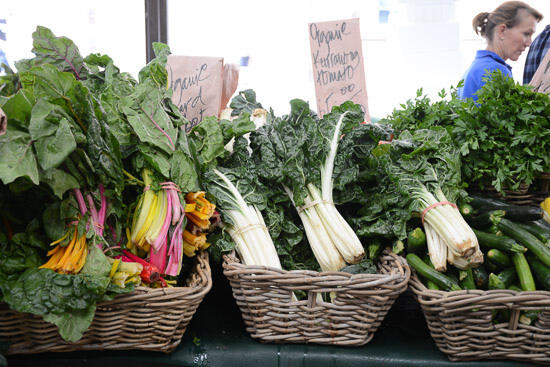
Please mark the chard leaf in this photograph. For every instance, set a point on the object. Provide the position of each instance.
(148, 117)
(157, 159)
(18, 108)
(58, 51)
(209, 140)
(59, 181)
(73, 324)
(183, 173)
(96, 264)
(155, 72)
(54, 220)
(244, 102)
(53, 150)
(16, 157)
(45, 119)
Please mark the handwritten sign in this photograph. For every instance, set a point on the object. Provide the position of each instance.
(196, 84)
(541, 79)
(338, 66)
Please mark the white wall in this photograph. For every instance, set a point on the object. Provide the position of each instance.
(112, 27)
(426, 43)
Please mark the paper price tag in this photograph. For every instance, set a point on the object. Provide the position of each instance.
(196, 84)
(338, 65)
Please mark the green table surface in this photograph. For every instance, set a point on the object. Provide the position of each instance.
(216, 337)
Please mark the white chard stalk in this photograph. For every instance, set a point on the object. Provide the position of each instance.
(321, 244)
(449, 224)
(437, 250)
(253, 242)
(343, 237)
(330, 237)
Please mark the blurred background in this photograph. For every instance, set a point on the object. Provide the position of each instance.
(407, 44)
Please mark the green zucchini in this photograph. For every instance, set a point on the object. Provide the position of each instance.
(543, 224)
(429, 284)
(466, 210)
(519, 213)
(480, 277)
(452, 273)
(486, 219)
(514, 287)
(507, 276)
(542, 273)
(429, 273)
(485, 204)
(416, 240)
(524, 213)
(494, 230)
(467, 279)
(541, 233)
(495, 282)
(502, 243)
(499, 258)
(524, 272)
(526, 239)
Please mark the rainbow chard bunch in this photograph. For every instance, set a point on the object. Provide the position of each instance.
(58, 137)
(170, 215)
(59, 143)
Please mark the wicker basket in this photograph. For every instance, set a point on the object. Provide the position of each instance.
(360, 301)
(525, 195)
(147, 319)
(460, 323)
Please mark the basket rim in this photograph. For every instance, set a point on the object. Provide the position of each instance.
(474, 294)
(404, 271)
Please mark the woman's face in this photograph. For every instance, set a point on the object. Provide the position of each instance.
(516, 39)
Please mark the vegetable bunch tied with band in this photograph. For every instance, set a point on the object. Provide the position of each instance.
(58, 137)
(60, 151)
(171, 215)
(295, 156)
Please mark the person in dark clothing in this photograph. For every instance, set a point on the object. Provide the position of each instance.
(536, 54)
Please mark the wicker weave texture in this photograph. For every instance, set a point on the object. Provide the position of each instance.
(525, 195)
(146, 319)
(460, 323)
(360, 301)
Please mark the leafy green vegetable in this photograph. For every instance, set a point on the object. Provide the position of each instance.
(58, 51)
(366, 266)
(244, 102)
(503, 137)
(16, 157)
(506, 138)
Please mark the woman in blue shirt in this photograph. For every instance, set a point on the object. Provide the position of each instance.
(508, 30)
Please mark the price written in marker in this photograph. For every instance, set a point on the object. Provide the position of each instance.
(196, 84)
(338, 66)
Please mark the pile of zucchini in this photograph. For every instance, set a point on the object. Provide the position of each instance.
(515, 241)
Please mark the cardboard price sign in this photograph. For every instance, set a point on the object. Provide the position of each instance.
(338, 65)
(541, 79)
(196, 84)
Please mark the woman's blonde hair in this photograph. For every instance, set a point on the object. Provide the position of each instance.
(507, 13)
